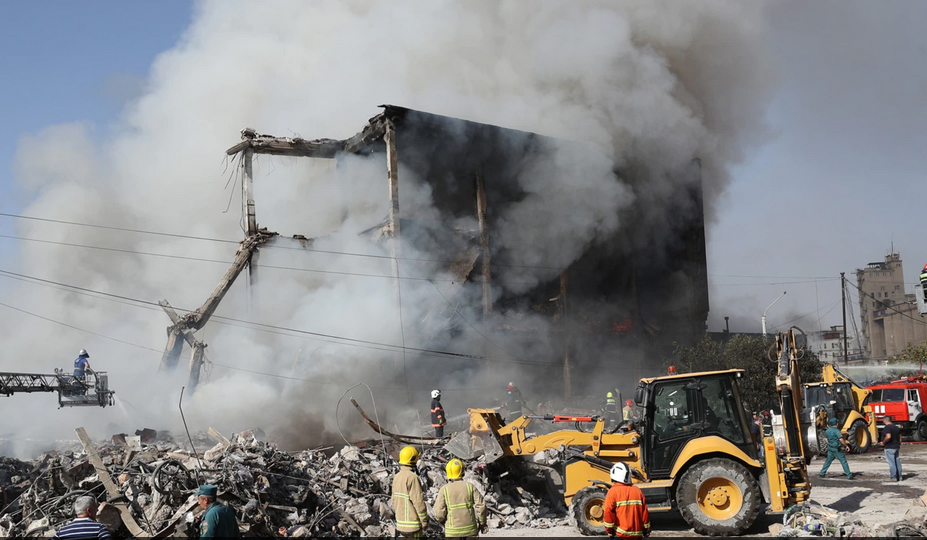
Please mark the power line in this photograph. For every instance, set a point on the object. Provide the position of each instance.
(885, 306)
(216, 261)
(222, 240)
(361, 342)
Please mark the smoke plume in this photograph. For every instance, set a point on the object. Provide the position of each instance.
(645, 86)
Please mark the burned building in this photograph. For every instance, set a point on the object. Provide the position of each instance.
(619, 302)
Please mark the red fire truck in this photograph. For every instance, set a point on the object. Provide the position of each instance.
(904, 400)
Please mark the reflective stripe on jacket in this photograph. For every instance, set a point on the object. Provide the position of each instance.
(462, 508)
(437, 414)
(626, 511)
(408, 501)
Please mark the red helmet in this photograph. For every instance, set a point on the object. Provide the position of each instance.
(671, 370)
(925, 267)
(629, 403)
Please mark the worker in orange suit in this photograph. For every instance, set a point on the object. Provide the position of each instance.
(625, 507)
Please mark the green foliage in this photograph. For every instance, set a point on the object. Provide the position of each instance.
(751, 353)
(912, 355)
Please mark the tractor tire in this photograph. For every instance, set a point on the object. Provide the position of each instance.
(822, 443)
(920, 431)
(718, 497)
(587, 511)
(859, 438)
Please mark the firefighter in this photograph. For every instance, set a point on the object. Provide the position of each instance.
(408, 500)
(438, 418)
(459, 506)
(611, 409)
(627, 410)
(82, 364)
(514, 400)
(924, 280)
(625, 506)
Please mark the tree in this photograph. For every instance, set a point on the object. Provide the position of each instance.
(750, 353)
(908, 361)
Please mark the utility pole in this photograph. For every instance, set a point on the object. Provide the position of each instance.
(843, 301)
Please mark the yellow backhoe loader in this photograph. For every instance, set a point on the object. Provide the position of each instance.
(689, 447)
(838, 396)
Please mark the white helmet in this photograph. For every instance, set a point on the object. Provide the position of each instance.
(83, 352)
(620, 473)
(511, 383)
(435, 394)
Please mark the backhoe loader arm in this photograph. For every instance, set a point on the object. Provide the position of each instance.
(787, 454)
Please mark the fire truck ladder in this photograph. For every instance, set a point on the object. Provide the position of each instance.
(92, 390)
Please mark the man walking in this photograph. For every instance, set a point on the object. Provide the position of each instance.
(408, 500)
(438, 418)
(86, 525)
(459, 506)
(891, 441)
(626, 513)
(836, 448)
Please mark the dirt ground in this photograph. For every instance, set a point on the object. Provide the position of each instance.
(871, 496)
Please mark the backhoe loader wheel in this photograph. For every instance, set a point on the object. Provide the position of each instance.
(920, 431)
(718, 497)
(858, 437)
(822, 443)
(587, 511)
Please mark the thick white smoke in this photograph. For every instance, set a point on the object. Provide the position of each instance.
(654, 83)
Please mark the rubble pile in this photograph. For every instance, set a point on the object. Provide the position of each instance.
(811, 519)
(152, 488)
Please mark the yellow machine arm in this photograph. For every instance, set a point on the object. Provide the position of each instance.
(786, 451)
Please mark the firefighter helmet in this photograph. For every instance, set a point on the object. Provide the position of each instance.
(435, 394)
(84, 353)
(454, 469)
(629, 403)
(408, 456)
(620, 473)
(609, 395)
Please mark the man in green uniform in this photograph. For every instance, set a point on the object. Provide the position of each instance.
(219, 520)
(836, 445)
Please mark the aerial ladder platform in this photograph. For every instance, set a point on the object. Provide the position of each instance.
(90, 391)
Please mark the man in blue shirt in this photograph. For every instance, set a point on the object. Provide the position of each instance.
(891, 441)
(219, 520)
(81, 364)
(836, 445)
(85, 526)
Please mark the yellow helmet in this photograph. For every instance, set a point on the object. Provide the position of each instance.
(609, 395)
(408, 456)
(454, 469)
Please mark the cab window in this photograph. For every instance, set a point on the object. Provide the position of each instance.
(673, 412)
(892, 395)
(912, 395)
(721, 415)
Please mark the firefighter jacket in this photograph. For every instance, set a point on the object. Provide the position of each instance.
(408, 501)
(611, 405)
(626, 512)
(438, 418)
(627, 412)
(461, 508)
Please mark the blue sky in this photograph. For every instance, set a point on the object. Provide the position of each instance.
(843, 179)
(71, 61)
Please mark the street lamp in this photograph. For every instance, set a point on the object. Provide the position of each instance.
(767, 309)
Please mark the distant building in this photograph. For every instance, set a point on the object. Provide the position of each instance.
(828, 345)
(890, 320)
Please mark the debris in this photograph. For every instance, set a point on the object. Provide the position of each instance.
(313, 493)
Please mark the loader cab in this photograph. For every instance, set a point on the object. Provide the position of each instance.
(680, 408)
(836, 398)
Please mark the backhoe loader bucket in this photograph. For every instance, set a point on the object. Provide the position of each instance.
(481, 439)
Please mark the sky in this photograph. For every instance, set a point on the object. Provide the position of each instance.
(837, 185)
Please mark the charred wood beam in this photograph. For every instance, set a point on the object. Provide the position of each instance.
(481, 207)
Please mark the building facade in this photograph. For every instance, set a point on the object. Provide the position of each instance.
(889, 317)
(828, 345)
